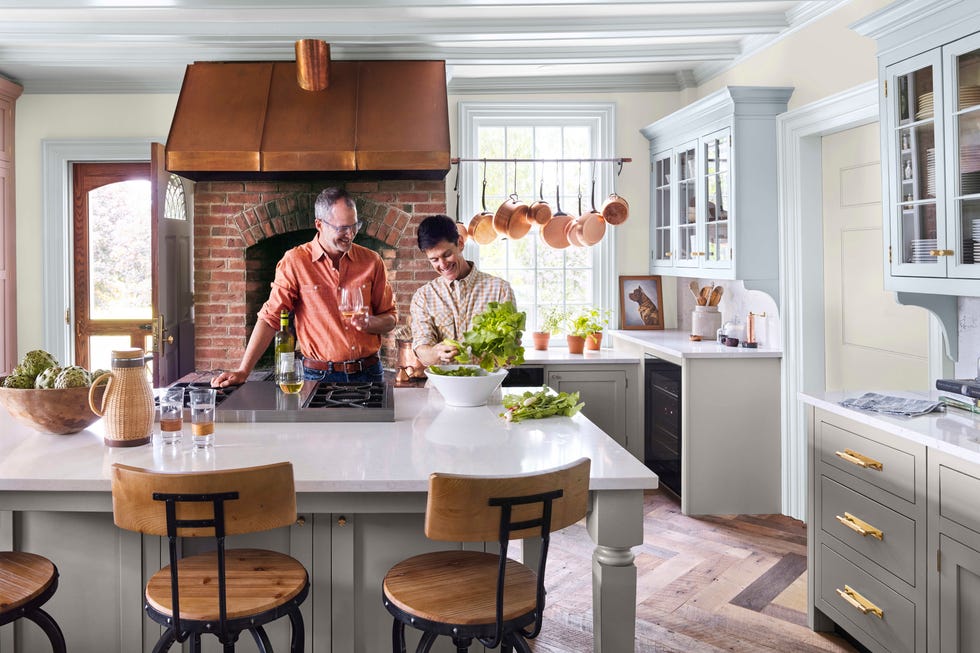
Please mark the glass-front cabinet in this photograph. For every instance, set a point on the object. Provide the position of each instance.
(931, 132)
(713, 188)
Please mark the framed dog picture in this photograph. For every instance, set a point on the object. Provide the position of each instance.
(640, 302)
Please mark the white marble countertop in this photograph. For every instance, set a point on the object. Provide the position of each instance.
(679, 344)
(560, 356)
(394, 456)
(953, 431)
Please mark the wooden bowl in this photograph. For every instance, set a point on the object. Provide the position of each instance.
(51, 410)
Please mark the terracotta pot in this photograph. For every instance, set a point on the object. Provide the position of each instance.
(593, 341)
(541, 339)
(576, 344)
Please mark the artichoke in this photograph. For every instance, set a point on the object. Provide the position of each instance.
(36, 361)
(22, 381)
(97, 373)
(46, 378)
(73, 376)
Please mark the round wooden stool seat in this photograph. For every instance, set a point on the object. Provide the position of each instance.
(257, 581)
(459, 587)
(23, 578)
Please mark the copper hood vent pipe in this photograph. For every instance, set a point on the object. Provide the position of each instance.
(313, 64)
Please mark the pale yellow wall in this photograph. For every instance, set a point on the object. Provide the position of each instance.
(67, 117)
(822, 59)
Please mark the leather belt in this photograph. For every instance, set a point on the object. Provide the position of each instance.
(347, 367)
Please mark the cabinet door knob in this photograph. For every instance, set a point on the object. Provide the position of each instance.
(860, 526)
(860, 460)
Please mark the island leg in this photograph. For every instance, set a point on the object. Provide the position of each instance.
(615, 524)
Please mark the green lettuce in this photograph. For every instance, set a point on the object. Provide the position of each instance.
(494, 339)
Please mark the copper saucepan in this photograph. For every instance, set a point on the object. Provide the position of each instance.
(540, 212)
(615, 209)
(481, 226)
(553, 233)
(509, 216)
(593, 225)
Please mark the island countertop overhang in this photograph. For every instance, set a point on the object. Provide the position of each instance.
(383, 457)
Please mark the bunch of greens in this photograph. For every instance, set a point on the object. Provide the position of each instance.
(541, 403)
(462, 371)
(494, 339)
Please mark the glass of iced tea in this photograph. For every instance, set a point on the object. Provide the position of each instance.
(202, 417)
(290, 377)
(171, 415)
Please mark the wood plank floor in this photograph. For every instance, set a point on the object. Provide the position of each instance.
(704, 585)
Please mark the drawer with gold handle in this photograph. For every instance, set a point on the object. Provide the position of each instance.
(859, 526)
(859, 602)
(859, 459)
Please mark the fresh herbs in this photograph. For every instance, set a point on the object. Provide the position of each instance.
(494, 339)
(541, 403)
(460, 371)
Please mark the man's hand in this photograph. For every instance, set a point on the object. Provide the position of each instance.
(226, 379)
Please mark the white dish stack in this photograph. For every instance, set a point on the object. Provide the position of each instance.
(921, 248)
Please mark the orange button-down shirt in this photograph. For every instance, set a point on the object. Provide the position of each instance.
(308, 285)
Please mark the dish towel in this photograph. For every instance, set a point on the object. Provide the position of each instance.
(893, 405)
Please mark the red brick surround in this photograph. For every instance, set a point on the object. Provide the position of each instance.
(231, 216)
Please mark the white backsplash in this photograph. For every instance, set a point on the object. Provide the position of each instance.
(736, 301)
(969, 333)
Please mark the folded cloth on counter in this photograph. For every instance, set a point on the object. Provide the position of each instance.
(893, 405)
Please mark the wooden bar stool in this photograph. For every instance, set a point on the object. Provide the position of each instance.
(467, 595)
(27, 581)
(253, 588)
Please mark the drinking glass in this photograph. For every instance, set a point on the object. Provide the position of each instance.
(202, 417)
(290, 377)
(351, 301)
(171, 415)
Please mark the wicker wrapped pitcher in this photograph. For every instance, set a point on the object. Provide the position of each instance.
(127, 404)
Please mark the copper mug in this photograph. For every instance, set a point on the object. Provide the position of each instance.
(408, 361)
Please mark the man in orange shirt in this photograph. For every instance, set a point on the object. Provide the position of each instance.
(308, 282)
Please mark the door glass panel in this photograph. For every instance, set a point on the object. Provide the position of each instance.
(100, 350)
(687, 204)
(915, 140)
(716, 158)
(967, 175)
(662, 226)
(119, 244)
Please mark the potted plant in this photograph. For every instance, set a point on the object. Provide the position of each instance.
(552, 322)
(587, 325)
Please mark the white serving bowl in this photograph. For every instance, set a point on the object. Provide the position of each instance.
(465, 390)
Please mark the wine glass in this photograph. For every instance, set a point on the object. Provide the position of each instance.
(290, 377)
(351, 301)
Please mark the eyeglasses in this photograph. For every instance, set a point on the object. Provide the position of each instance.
(344, 228)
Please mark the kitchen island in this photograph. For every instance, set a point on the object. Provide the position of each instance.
(361, 498)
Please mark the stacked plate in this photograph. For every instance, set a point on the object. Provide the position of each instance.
(924, 105)
(969, 96)
(970, 170)
(931, 172)
(921, 248)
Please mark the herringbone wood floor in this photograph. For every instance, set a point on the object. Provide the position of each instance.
(704, 585)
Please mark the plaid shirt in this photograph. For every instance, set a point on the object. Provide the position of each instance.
(445, 309)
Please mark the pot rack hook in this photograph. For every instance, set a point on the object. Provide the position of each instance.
(620, 171)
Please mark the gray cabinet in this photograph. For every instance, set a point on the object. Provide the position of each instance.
(954, 535)
(713, 187)
(604, 394)
(867, 534)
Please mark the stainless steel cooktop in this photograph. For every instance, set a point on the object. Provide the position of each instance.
(263, 401)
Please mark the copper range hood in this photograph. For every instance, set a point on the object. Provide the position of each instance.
(249, 121)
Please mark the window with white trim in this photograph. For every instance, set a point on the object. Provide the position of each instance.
(561, 137)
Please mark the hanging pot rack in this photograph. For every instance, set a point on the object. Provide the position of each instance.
(621, 159)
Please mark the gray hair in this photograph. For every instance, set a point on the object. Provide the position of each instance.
(323, 206)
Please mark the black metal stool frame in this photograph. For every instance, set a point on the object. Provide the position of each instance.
(32, 612)
(506, 634)
(228, 630)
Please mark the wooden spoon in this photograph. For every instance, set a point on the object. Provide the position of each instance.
(715, 297)
(703, 295)
(695, 290)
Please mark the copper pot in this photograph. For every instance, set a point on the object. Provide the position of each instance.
(512, 210)
(481, 226)
(553, 233)
(540, 212)
(592, 226)
(615, 210)
(408, 361)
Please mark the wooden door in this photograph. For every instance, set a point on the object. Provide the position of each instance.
(112, 234)
(173, 326)
(872, 342)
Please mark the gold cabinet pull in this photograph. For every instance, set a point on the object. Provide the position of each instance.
(859, 459)
(859, 602)
(941, 252)
(860, 526)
